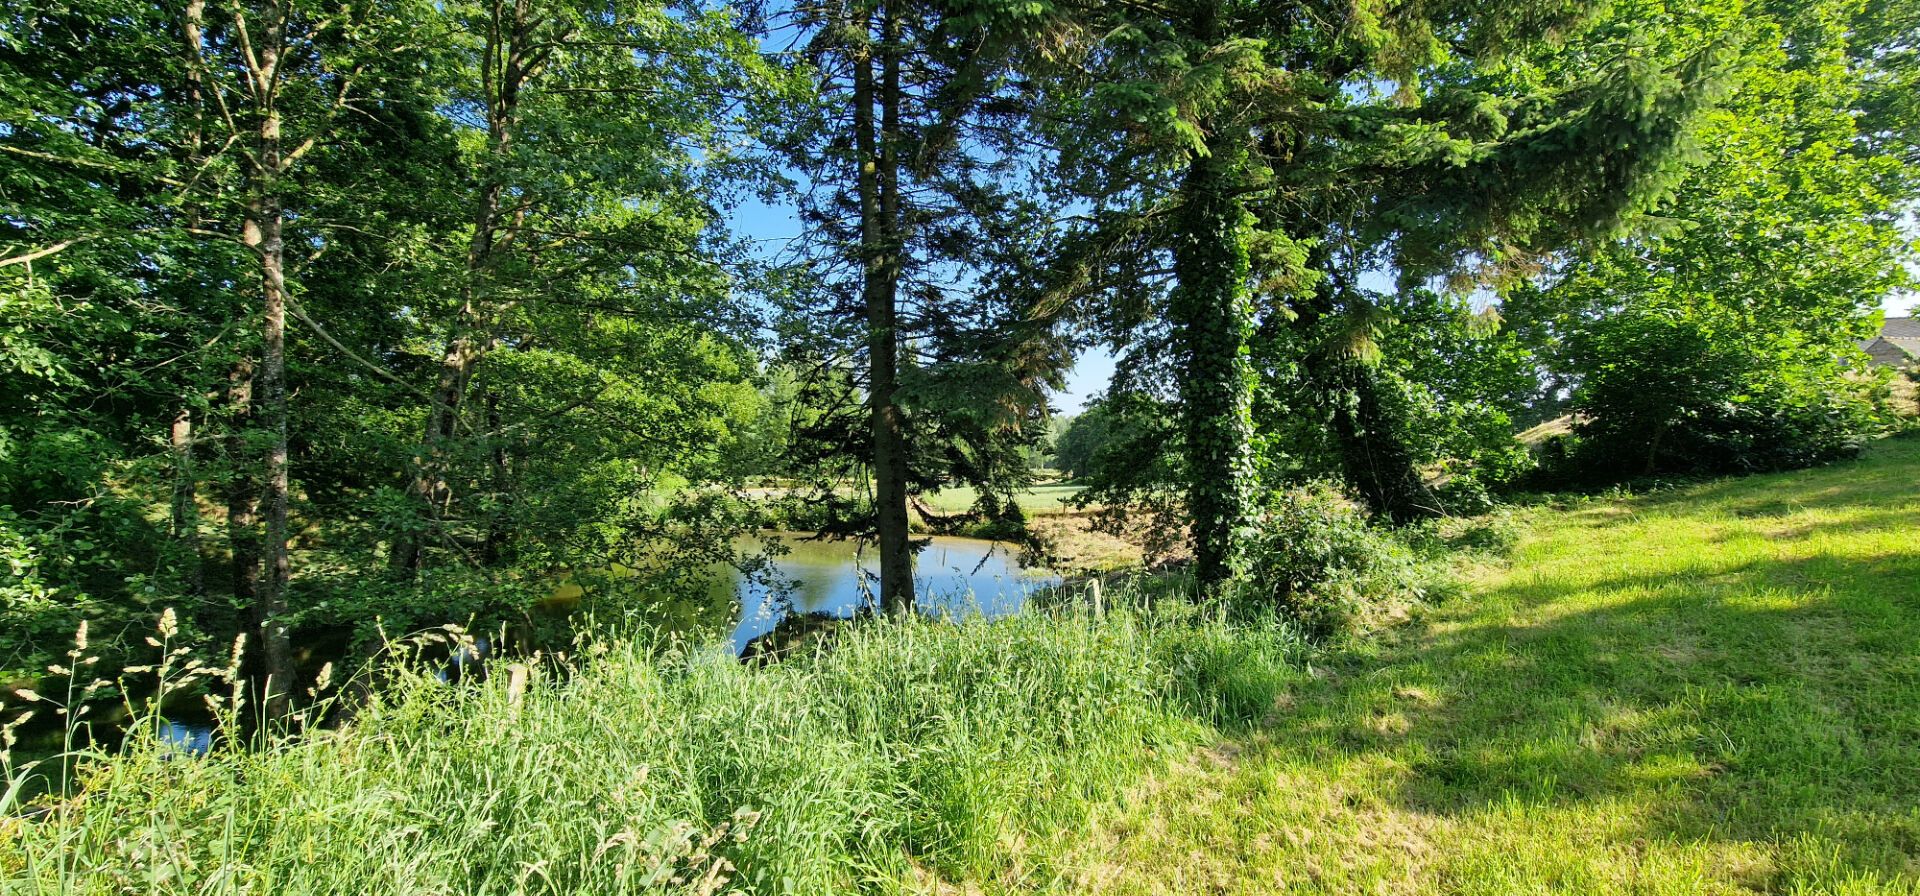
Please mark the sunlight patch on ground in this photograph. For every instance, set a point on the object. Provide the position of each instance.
(1707, 691)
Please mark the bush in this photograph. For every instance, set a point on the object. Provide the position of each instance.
(1495, 533)
(1465, 495)
(1318, 561)
(1671, 394)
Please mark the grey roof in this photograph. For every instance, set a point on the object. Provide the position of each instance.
(1903, 332)
(1899, 335)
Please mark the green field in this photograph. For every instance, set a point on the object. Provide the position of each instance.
(1038, 499)
(1712, 690)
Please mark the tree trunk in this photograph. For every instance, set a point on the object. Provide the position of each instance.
(878, 186)
(506, 70)
(186, 513)
(1212, 318)
(492, 550)
(261, 231)
(243, 494)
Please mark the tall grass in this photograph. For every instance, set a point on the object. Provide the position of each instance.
(912, 752)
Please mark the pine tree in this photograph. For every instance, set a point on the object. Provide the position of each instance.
(1274, 152)
(919, 240)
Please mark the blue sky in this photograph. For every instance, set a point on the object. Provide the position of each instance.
(773, 226)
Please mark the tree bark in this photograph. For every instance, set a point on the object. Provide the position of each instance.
(1212, 319)
(262, 231)
(243, 493)
(492, 550)
(506, 68)
(186, 512)
(878, 186)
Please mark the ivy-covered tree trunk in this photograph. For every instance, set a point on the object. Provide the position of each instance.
(1374, 459)
(1212, 318)
(879, 190)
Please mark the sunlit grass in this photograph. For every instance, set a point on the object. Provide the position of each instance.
(912, 753)
(1035, 499)
(1709, 690)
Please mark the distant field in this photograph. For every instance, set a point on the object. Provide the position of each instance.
(1039, 499)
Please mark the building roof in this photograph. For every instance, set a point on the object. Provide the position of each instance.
(1898, 344)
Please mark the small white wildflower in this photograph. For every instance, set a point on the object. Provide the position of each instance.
(27, 694)
(80, 636)
(169, 623)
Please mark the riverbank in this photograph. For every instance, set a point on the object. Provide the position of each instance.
(913, 752)
(1704, 690)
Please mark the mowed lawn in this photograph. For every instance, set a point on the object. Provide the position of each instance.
(1037, 499)
(1710, 690)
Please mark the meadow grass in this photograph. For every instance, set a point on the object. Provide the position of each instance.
(1037, 499)
(1709, 690)
(913, 753)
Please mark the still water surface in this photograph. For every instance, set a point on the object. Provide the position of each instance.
(952, 577)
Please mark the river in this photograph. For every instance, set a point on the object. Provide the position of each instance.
(952, 577)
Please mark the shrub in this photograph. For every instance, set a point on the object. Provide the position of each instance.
(1318, 561)
(1670, 394)
(1495, 532)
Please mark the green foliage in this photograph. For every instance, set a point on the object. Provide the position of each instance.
(1669, 393)
(1265, 156)
(1318, 561)
(619, 351)
(1728, 342)
(1089, 439)
(911, 748)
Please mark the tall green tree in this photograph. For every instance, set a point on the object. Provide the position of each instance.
(1727, 341)
(97, 306)
(161, 149)
(1272, 153)
(601, 142)
(919, 238)
(271, 81)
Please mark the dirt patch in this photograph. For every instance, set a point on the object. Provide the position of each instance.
(1078, 548)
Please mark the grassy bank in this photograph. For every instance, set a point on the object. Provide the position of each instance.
(1706, 690)
(913, 753)
(1711, 690)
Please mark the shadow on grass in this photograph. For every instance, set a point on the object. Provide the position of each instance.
(1746, 699)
